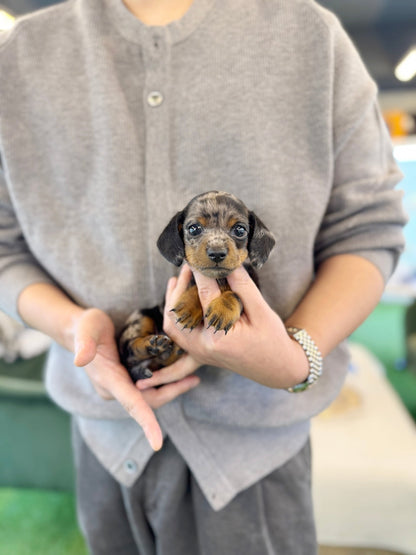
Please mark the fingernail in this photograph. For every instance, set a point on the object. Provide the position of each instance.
(155, 439)
(156, 444)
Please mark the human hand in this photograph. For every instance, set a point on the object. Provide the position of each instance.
(257, 347)
(96, 350)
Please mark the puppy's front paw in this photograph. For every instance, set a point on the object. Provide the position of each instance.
(224, 311)
(188, 309)
(188, 318)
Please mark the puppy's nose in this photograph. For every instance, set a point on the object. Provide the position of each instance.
(216, 254)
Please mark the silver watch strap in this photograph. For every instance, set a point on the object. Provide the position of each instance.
(313, 355)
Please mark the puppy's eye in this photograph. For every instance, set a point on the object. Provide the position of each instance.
(239, 231)
(194, 230)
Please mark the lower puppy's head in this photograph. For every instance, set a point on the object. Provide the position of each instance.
(215, 233)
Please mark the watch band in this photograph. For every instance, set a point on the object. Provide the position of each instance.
(313, 355)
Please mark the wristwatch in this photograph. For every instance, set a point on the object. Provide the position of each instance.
(313, 355)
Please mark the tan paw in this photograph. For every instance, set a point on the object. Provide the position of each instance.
(224, 311)
(188, 310)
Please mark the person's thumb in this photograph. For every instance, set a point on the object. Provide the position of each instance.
(85, 349)
(91, 330)
(253, 301)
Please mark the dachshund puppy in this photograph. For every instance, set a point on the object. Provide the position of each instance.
(215, 233)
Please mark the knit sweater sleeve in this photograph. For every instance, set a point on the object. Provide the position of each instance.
(364, 214)
(18, 267)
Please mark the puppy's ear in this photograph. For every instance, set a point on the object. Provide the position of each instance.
(170, 242)
(260, 242)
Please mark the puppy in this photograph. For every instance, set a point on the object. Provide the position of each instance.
(215, 233)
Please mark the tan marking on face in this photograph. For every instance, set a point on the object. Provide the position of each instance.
(198, 259)
(203, 221)
(232, 221)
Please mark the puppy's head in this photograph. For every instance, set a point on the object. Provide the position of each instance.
(216, 233)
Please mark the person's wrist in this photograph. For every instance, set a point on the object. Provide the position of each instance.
(300, 363)
(312, 355)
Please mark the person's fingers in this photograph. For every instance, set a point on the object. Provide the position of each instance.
(94, 339)
(177, 371)
(137, 407)
(208, 289)
(156, 397)
(253, 301)
(177, 286)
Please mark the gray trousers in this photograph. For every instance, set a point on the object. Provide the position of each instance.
(165, 512)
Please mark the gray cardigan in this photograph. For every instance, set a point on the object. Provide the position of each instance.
(267, 100)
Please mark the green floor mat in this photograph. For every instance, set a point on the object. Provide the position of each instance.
(35, 522)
